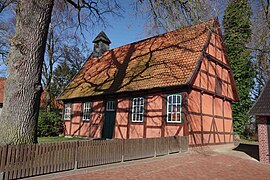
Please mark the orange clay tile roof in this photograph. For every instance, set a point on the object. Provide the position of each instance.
(160, 61)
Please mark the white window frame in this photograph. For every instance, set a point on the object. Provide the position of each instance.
(87, 111)
(137, 104)
(110, 105)
(172, 108)
(68, 111)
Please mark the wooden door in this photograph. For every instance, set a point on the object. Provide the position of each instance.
(109, 119)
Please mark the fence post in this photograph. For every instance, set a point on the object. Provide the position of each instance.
(168, 145)
(122, 149)
(155, 147)
(2, 175)
(182, 140)
(3, 161)
(76, 155)
(179, 140)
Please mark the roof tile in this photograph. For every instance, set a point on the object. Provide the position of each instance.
(164, 60)
(262, 105)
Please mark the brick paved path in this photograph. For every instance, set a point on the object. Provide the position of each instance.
(206, 165)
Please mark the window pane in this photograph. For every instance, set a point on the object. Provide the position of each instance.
(135, 117)
(141, 109)
(178, 99)
(174, 99)
(173, 108)
(178, 117)
(169, 117)
(173, 116)
(170, 99)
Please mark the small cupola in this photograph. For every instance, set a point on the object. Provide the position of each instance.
(101, 44)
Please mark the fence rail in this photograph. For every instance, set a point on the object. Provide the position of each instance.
(19, 161)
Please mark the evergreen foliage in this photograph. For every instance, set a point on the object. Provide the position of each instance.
(50, 123)
(62, 74)
(237, 34)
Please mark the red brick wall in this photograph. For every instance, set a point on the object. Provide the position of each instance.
(263, 139)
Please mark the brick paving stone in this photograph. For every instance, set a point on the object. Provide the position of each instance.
(206, 165)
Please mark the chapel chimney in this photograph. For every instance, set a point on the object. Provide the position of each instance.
(101, 44)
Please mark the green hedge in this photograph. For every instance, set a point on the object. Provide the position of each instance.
(50, 123)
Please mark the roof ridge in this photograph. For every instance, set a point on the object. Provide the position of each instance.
(158, 35)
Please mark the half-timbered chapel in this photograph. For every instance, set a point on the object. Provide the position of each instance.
(176, 84)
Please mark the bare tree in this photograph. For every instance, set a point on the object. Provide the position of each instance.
(18, 122)
(260, 45)
(166, 15)
(76, 55)
(62, 35)
(5, 3)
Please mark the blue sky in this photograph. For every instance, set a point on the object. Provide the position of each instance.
(130, 28)
(122, 30)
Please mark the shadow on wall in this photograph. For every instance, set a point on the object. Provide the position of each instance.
(86, 128)
(250, 149)
(154, 124)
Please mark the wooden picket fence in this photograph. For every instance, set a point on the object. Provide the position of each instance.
(26, 160)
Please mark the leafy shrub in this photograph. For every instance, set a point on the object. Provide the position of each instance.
(50, 123)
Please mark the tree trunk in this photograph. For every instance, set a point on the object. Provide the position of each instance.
(18, 122)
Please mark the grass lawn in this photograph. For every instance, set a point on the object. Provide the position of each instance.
(58, 138)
